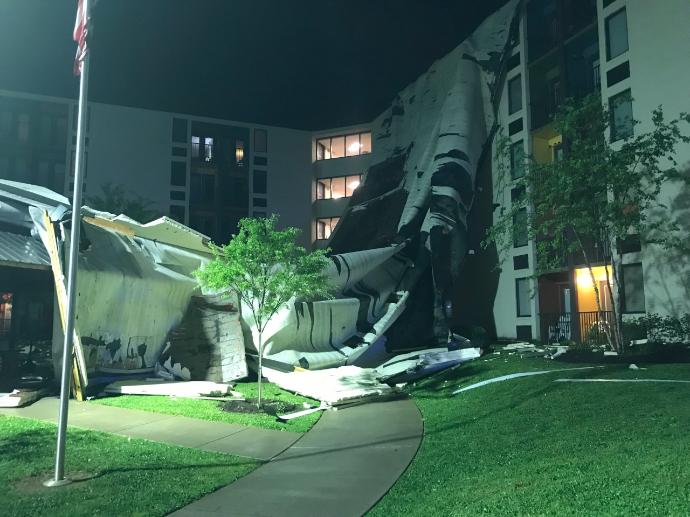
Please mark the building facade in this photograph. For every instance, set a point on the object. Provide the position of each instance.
(570, 48)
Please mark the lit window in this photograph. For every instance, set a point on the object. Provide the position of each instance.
(325, 227)
(338, 147)
(522, 297)
(621, 116)
(5, 313)
(195, 147)
(337, 188)
(208, 149)
(341, 146)
(616, 34)
(239, 153)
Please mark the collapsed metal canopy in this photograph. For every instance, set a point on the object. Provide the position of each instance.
(18, 250)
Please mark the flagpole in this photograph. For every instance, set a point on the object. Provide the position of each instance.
(59, 478)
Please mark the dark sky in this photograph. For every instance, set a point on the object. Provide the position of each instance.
(307, 64)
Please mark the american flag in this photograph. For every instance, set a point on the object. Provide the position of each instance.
(79, 36)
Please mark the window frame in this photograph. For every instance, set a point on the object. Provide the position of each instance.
(519, 144)
(513, 109)
(327, 222)
(614, 134)
(624, 295)
(328, 187)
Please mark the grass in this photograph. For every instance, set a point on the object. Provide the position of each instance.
(209, 409)
(532, 446)
(124, 477)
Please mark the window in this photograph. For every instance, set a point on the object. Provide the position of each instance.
(515, 95)
(616, 34)
(177, 212)
(341, 146)
(260, 202)
(260, 141)
(260, 182)
(179, 130)
(633, 288)
(621, 116)
(631, 244)
(5, 314)
(179, 151)
(261, 161)
(208, 149)
(618, 73)
(195, 146)
(239, 153)
(178, 174)
(23, 127)
(522, 298)
(336, 188)
(325, 227)
(520, 262)
(520, 233)
(203, 189)
(177, 195)
(515, 127)
(517, 160)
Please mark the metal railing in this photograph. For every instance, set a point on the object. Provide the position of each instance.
(584, 327)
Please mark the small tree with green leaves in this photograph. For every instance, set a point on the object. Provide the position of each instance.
(598, 193)
(265, 268)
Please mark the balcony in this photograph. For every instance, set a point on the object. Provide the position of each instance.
(583, 327)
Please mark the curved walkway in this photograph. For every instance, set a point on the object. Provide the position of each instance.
(341, 467)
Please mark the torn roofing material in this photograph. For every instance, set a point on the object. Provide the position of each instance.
(19, 250)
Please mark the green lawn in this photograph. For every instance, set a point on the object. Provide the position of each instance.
(209, 409)
(532, 446)
(124, 477)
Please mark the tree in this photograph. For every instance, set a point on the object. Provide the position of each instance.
(599, 192)
(116, 200)
(266, 269)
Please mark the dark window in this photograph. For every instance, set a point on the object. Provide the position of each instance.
(521, 262)
(582, 65)
(260, 201)
(179, 151)
(622, 122)
(260, 182)
(616, 34)
(522, 297)
(260, 141)
(515, 127)
(177, 212)
(520, 233)
(203, 189)
(631, 244)
(543, 27)
(261, 161)
(517, 160)
(523, 332)
(178, 174)
(633, 288)
(515, 95)
(618, 73)
(177, 195)
(179, 130)
(259, 214)
(514, 61)
(517, 194)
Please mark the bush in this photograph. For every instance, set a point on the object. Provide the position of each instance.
(658, 329)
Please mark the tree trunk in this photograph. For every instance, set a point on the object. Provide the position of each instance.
(261, 346)
(617, 315)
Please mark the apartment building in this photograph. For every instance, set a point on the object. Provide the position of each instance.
(637, 55)
(207, 173)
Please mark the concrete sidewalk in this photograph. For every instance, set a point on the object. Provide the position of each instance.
(250, 442)
(341, 467)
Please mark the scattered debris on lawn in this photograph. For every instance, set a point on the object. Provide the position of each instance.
(189, 389)
(417, 365)
(308, 411)
(333, 385)
(21, 397)
(518, 375)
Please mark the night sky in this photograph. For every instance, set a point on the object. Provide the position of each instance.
(298, 63)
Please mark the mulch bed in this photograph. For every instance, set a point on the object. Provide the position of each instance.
(268, 406)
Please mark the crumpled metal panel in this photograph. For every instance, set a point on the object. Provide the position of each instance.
(22, 249)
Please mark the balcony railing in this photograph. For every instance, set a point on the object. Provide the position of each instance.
(202, 152)
(584, 327)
